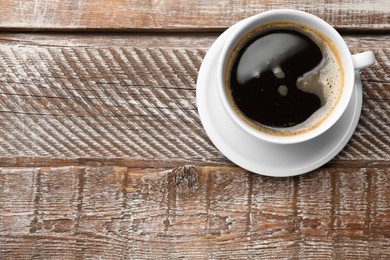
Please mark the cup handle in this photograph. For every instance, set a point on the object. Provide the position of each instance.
(363, 60)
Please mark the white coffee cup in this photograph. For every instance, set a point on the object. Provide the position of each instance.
(350, 63)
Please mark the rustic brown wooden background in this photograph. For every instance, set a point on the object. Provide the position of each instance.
(102, 153)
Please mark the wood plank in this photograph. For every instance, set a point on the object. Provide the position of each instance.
(179, 14)
(193, 212)
(72, 100)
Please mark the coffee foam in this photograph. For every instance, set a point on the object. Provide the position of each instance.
(325, 80)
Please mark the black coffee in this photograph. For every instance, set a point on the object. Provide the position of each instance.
(275, 77)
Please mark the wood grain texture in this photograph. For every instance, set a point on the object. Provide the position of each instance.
(103, 156)
(179, 14)
(193, 213)
(78, 99)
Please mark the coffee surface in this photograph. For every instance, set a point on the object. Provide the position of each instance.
(280, 78)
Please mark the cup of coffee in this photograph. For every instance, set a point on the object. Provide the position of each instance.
(286, 76)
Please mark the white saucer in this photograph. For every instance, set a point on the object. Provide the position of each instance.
(258, 156)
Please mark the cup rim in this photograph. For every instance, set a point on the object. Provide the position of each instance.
(311, 21)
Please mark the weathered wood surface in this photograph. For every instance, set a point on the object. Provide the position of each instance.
(182, 15)
(102, 154)
(193, 212)
(124, 101)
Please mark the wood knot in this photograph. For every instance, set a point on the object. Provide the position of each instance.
(185, 177)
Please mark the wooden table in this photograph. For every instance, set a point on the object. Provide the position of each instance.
(103, 154)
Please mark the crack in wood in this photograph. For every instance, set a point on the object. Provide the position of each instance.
(35, 225)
